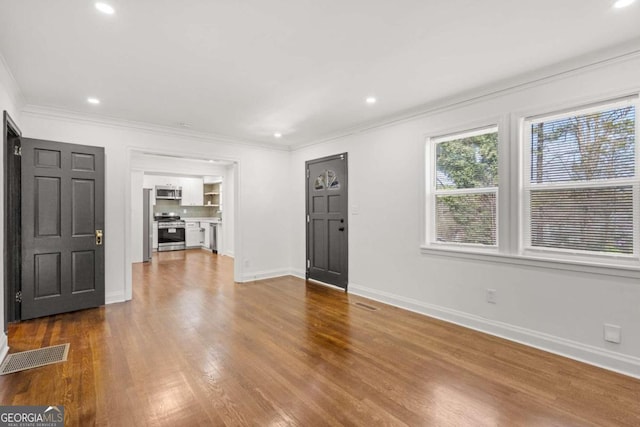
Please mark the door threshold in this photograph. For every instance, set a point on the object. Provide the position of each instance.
(329, 285)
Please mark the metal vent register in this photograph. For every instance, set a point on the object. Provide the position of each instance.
(34, 358)
(365, 306)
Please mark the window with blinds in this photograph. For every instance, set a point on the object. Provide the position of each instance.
(465, 187)
(581, 181)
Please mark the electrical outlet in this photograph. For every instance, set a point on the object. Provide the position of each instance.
(184, 211)
(612, 333)
(491, 296)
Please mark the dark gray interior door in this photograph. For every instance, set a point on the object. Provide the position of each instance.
(327, 225)
(62, 227)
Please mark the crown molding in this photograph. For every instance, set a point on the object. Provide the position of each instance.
(113, 122)
(574, 66)
(9, 82)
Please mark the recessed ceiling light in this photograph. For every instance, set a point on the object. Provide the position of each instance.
(211, 161)
(622, 3)
(105, 8)
(277, 135)
(371, 100)
(94, 101)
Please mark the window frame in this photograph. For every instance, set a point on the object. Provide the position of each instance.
(526, 187)
(510, 249)
(433, 192)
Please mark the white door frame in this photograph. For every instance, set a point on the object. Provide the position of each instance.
(237, 223)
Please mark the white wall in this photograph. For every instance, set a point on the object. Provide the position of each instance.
(261, 172)
(136, 238)
(174, 165)
(228, 209)
(562, 311)
(11, 101)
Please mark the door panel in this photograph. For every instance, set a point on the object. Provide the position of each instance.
(83, 162)
(335, 204)
(83, 205)
(47, 158)
(319, 254)
(62, 209)
(334, 247)
(83, 271)
(327, 238)
(47, 275)
(47, 207)
(319, 204)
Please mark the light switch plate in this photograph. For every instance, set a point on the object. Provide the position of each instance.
(612, 333)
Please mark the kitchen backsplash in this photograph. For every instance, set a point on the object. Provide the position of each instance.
(191, 211)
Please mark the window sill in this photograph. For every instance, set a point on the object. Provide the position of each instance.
(618, 270)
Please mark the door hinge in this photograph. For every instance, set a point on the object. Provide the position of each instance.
(308, 264)
(307, 173)
(17, 150)
(308, 219)
(19, 296)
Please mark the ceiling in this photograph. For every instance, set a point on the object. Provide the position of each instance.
(246, 69)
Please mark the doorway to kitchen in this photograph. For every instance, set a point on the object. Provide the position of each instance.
(327, 220)
(186, 202)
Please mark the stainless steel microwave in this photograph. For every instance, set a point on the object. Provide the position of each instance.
(168, 192)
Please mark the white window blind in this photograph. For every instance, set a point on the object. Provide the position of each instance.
(581, 184)
(465, 187)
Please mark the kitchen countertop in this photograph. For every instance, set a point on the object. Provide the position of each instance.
(204, 219)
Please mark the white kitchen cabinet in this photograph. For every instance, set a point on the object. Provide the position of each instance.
(193, 234)
(155, 235)
(192, 193)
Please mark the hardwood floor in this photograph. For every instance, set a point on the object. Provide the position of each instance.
(193, 348)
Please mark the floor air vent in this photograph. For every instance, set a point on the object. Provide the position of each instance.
(365, 306)
(24, 360)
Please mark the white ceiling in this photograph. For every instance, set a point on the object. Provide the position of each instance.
(245, 69)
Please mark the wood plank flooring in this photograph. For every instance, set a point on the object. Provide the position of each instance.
(195, 349)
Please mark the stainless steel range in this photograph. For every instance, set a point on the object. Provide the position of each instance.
(171, 232)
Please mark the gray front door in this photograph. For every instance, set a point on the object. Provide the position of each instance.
(62, 227)
(327, 237)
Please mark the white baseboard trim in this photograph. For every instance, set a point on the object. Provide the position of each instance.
(266, 274)
(621, 363)
(228, 253)
(301, 274)
(4, 346)
(115, 297)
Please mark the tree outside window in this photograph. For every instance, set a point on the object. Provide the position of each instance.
(466, 187)
(582, 178)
